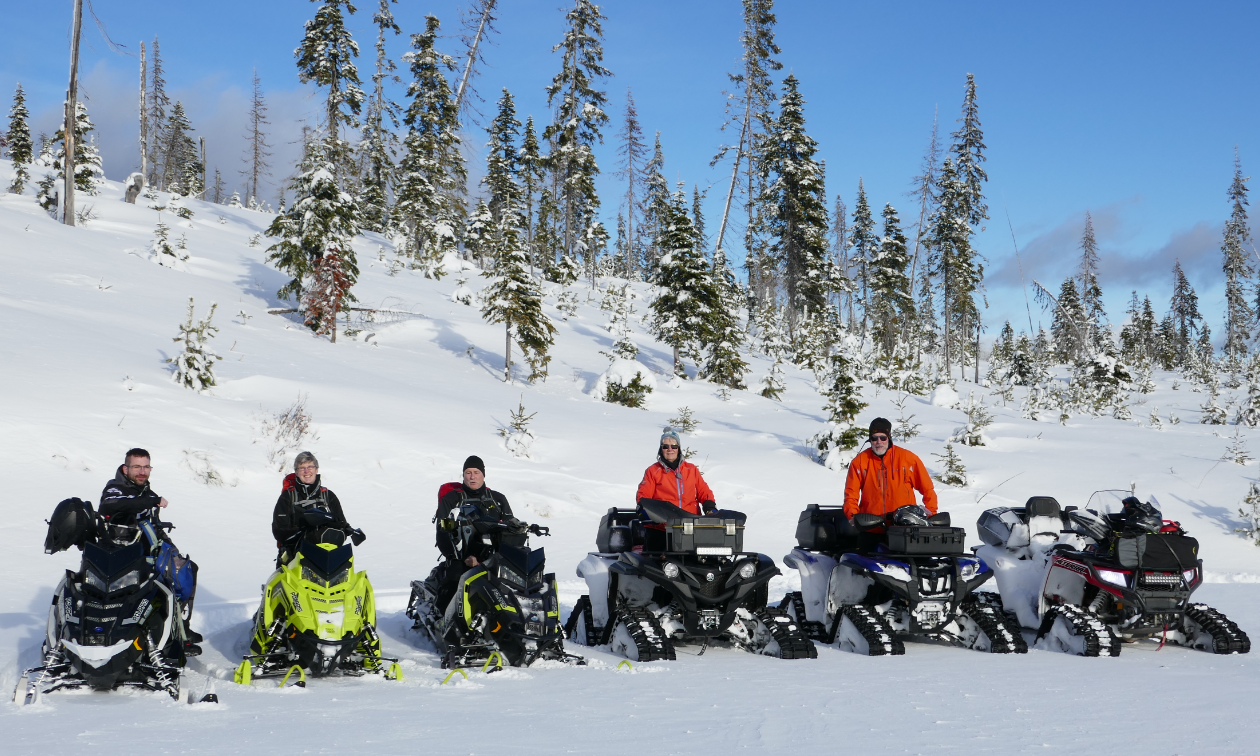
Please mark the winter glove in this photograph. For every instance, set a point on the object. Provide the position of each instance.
(514, 525)
(708, 507)
(540, 530)
(357, 536)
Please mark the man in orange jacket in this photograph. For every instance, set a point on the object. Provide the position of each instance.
(674, 480)
(884, 478)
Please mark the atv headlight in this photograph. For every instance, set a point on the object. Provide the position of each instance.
(748, 570)
(671, 570)
(311, 576)
(1115, 577)
(340, 577)
(967, 569)
(94, 580)
(1189, 575)
(126, 581)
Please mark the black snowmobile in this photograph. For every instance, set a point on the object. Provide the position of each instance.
(1087, 580)
(872, 590)
(111, 624)
(505, 610)
(688, 582)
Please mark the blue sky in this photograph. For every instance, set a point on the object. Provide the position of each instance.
(1130, 111)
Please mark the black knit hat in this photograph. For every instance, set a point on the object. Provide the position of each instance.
(475, 462)
(881, 425)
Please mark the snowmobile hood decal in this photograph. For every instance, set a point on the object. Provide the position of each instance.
(95, 656)
(872, 564)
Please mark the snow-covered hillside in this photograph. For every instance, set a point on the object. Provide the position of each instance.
(88, 322)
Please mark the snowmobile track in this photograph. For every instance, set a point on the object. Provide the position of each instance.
(793, 643)
(1227, 637)
(875, 629)
(646, 632)
(999, 627)
(812, 630)
(583, 609)
(1100, 639)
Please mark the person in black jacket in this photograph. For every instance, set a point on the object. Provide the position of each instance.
(305, 507)
(491, 505)
(129, 501)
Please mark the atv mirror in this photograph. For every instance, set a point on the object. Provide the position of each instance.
(866, 521)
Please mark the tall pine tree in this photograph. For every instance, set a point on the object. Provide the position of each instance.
(1238, 270)
(182, 169)
(379, 143)
(1184, 312)
(682, 312)
(864, 242)
(431, 174)
(799, 223)
(1095, 316)
(19, 143)
(891, 303)
(575, 127)
(157, 105)
(634, 158)
(257, 165)
(326, 58)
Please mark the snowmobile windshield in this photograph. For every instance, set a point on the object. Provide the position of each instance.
(110, 571)
(327, 561)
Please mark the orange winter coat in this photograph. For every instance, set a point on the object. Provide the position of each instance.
(886, 483)
(682, 487)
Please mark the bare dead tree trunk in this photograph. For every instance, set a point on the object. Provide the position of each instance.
(72, 110)
(144, 116)
(486, 9)
(203, 167)
(730, 192)
(507, 353)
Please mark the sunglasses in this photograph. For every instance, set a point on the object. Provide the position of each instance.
(879, 437)
(669, 446)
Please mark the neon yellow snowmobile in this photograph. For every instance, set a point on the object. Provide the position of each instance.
(318, 614)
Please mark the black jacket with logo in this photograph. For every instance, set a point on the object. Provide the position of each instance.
(297, 498)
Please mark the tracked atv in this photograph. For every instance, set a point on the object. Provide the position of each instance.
(504, 611)
(318, 615)
(113, 623)
(1087, 580)
(688, 581)
(872, 591)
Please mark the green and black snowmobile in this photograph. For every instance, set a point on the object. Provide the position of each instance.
(504, 611)
(318, 614)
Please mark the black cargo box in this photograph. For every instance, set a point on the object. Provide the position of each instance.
(706, 535)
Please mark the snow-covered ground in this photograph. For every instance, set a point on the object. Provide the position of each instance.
(87, 322)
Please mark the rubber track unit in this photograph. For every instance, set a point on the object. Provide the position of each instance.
(646, 633)
(1227, 637)
(872, 625)
(999, 627)
(1100, 639)
(793, 644)
(813, 630)
(582, 609)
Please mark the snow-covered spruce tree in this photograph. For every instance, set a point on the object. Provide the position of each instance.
(1250, 514)
(532, 172)
(620, 310)
(891, 305)
(1184, 310)
(156, 106)
(655, 209)
(1095, 316)
(379, 143)
(774, 344)
(723, 335)
(431, 175)
(19, 143)
(682, 311)
(513, 299)
(954, 474)
(798, 221)
(162, 250)
(1249, 407)
(1238, 271)
(502, 179)
(837, 441)
(1213, 414)
(194, 366)
(1237, 452)
(182, 171)
(626, 382)
(479, 235)
(1069, 321)
(954, 263)
(325, 58)
(322, 219)
(864, 242)
(88, 174)
(579, 115)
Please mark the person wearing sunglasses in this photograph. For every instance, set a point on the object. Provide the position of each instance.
(884, 477)
(130, 509)
(674, 480)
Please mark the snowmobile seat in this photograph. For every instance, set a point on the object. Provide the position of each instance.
(619, 530)
(1045, 517)
(71, 525)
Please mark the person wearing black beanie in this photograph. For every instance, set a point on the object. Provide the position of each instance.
(491, 505)
(885, 477)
